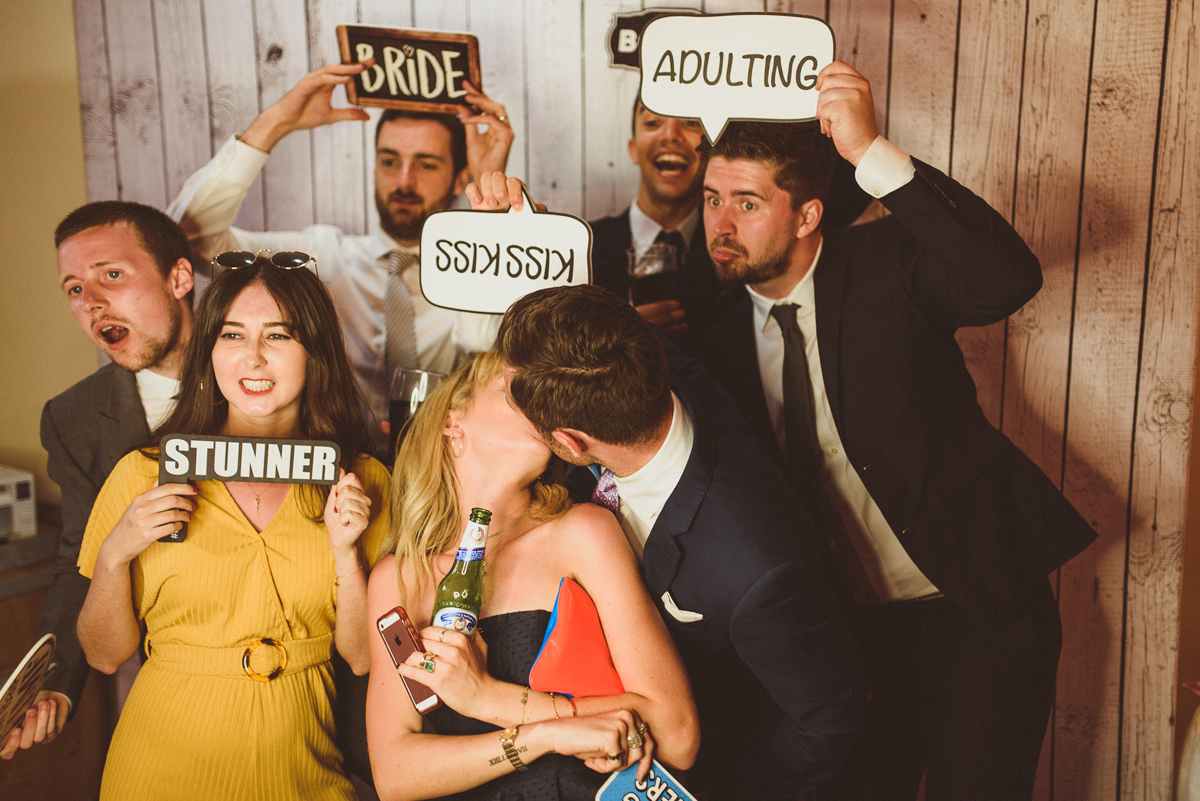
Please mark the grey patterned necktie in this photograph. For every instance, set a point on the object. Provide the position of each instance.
(401, 348)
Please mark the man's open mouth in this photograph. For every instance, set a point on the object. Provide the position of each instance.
(670, 163)
(112, 334)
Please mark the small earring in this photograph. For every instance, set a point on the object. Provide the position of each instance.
(456, 445)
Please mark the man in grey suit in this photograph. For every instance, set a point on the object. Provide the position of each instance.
(125, 271)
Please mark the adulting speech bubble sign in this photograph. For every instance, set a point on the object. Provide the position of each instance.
(483, 261)
(734, 66)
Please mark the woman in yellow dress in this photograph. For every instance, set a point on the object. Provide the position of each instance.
(234, 700)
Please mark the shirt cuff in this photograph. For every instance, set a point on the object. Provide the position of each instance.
(884, 168)
(241, 162)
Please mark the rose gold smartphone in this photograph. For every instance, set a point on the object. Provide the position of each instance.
(401, 639)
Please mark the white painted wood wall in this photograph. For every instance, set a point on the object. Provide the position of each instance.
(1070, 116)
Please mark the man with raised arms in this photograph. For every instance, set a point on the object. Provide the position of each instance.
(422, 162)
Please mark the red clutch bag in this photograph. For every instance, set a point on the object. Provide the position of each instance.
(574, 658)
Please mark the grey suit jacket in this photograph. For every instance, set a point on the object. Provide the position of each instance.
(85, 431)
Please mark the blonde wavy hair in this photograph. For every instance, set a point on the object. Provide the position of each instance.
(425, 508)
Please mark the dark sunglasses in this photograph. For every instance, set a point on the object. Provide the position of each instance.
(284, 259)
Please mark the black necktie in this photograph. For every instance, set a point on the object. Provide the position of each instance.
(799, 414)
(675, 240)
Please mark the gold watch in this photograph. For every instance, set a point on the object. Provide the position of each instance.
(507, 737)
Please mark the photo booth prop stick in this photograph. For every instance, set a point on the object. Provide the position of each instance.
(417, 70)
(482, 261)
(625, 35)
(657, 786)
(734, 67)
(24, 683)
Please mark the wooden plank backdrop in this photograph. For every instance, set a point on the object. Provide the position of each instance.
(1069, 116)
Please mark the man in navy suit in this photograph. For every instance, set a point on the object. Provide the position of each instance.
(840, 353)
(666, 210)
(727, 551)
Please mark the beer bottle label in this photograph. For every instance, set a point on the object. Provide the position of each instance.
(471, 548)
(455, 619)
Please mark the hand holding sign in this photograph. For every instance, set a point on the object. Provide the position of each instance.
(347, 512)
(308, 104)
(487, 151)
(734, 66)
(846, 110)
(484, 259)
(158, 512)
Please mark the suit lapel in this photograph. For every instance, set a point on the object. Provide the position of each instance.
(660, 558)
(122, 411)
(736, 361)
(829, 287)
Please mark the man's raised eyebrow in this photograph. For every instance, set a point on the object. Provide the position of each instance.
(736, 192)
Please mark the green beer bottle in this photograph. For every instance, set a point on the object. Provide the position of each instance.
(459, 596)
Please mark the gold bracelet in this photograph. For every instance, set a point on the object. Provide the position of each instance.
(507, 737)
(554, 706)
(524, 700)
(337, 580)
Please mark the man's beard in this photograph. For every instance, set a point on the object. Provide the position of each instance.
(153, 351)
(771, 265)
(405, 225)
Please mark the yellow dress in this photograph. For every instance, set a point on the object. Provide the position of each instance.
(196, 726)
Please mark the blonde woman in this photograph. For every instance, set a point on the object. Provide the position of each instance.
(468, 448)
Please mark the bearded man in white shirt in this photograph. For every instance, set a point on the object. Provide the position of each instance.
(422, 163)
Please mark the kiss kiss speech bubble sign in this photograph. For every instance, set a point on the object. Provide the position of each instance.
(482, 261)
(734, 67)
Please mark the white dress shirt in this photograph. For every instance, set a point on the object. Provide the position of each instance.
(158, 396)
(889, 570)
(644, 493)
(353, 268)
(644, 230)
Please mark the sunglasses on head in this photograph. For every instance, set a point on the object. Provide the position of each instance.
(284, 259)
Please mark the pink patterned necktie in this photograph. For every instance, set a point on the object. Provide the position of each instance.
(605, 493)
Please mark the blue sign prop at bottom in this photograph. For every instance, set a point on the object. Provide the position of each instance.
(657, 786)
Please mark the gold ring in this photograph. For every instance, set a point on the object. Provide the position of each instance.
(643, 727)
(442, 635)
(274, 674)
(634, 739)
(430, 656)
(502, 118)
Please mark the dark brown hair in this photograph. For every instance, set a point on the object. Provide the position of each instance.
(585, 359)
(802, 156)
(157, 234)
(452, 124)
(330, 404)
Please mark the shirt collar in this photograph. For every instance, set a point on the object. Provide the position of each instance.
(644, 230)
(803, 295)
(382, 245)
(647, 489)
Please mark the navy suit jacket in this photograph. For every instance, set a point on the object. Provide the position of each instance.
(772, 663)
(979, 519)
(85, 431)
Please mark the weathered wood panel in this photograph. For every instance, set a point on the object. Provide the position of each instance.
(554, 143)
(921, 95)
(502, 58)
(385, 14)
(183, 82)
(233, 87)
(1165, 407)
(282, 47)
(984, 152)
(95, 102)
(862, 33)
(137, 113)
(339, 190)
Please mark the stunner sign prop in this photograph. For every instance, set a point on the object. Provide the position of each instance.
(734, 67)
(482, 261)
(419, 70)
